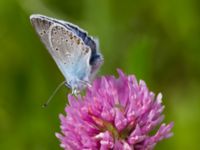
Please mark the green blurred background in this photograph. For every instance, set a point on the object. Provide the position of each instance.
(158, 41)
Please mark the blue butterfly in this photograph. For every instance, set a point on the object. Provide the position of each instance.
(74, 51)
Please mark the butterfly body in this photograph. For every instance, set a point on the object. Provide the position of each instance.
(75, 53)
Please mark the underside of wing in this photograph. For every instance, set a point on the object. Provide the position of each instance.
(42, 26)
(70, 53)
(76, 54)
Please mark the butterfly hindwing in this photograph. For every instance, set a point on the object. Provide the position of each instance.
(70, 53)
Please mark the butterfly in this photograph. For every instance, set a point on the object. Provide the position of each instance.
(76, 53)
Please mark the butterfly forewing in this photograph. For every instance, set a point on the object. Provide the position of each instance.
(42, 27)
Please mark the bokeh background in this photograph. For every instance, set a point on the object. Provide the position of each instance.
(158, 41)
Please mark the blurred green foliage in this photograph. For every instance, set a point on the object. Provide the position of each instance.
(158, 41)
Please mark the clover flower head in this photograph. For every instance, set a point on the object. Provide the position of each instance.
(116, 113)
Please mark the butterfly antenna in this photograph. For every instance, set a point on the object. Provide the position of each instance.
(53, 94)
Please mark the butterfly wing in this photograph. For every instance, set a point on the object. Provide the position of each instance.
(71, 54)
(76, 54)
